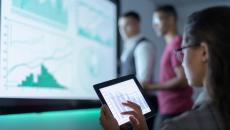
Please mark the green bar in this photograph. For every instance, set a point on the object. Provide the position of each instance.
(85, 119)
(45, 79)
(86, 33)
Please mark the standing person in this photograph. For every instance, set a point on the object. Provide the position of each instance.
(205, 55)
(138, 52)
(173, 93)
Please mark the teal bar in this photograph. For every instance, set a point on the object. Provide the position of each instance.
(85, 119)
(85, 33)
(45, 80)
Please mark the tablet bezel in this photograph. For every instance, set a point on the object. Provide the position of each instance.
(97, 88)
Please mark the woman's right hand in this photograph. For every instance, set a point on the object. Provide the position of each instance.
(136, 117)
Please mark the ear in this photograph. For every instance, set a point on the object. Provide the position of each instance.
(204, 51)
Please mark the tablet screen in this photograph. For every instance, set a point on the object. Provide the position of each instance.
(116, 94)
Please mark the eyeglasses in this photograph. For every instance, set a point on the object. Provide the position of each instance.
(179, 52)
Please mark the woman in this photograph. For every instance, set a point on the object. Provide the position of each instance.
(205, 54)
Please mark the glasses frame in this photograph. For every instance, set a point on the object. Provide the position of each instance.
(179, 52)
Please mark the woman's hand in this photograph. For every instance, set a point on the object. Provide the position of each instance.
(136, 117)
(107, 120)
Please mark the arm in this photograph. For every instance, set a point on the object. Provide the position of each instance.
(176, 82)
(144, 55)
(179, 81)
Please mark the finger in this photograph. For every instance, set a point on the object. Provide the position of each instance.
(132, 105)
(107, 112)
(132, 113)
(102, 114)
(134, 122)
(104, 110)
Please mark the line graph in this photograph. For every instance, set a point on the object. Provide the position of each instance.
(48, 52)
(44, 51)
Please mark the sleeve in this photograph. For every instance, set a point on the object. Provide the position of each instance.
(144, 55)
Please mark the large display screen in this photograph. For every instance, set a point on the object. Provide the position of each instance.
(56, 49)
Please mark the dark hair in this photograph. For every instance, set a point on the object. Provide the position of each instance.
(212, 25)
(169, 9)
(132, 14)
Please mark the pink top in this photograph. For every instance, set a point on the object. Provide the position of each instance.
(178, 100)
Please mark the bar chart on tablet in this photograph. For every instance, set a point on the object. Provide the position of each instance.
(123, 92)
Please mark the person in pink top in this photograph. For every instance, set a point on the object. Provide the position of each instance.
(173, 93)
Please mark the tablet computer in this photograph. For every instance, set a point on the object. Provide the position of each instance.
(123, 89)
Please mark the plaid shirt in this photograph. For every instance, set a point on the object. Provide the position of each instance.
(202, 117)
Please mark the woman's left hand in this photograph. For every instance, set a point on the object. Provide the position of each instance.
(107, 120)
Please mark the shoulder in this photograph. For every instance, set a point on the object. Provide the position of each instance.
(174, 44)
(196, 119)
(145, 48)
(145, 45)
(178, 38)
(177, 41)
